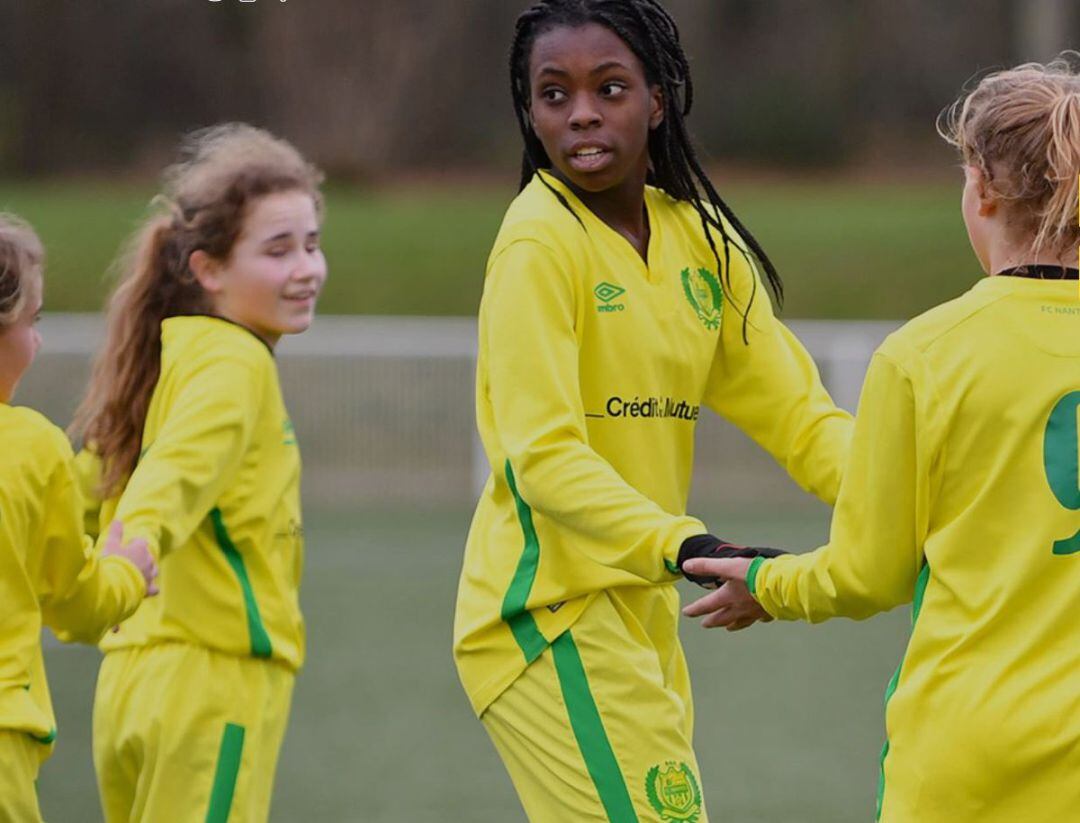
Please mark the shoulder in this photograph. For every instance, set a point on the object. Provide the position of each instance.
(542, 222)
(203, 347)
(42, 441)
(694, 223)
(923, 334)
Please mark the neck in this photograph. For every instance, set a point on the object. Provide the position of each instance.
(1005, 258)
(622, 207)
(269, 339)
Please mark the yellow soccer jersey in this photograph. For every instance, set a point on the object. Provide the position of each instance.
(962, 495)
(48, 572)
(216, 494)
(593, 367)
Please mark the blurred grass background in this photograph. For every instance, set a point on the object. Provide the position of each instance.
(789, 717)
(846, 249)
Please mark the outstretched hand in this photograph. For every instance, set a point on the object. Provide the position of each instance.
(136, 551)
(731, 606)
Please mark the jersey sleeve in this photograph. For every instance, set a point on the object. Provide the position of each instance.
(196, 453)
(532, 349)
(875, 549)
(82, 594)
(88, 472)
(769, 387)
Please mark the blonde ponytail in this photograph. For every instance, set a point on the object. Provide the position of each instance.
(1058, 224)
(1021, 128)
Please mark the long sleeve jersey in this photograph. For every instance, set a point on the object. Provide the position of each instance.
(49, 574)
(961, 497)
(593, 368)
(216, 493)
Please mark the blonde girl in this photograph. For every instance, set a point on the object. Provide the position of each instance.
(48, 573)
(962, 495)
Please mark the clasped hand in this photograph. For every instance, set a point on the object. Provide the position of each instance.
(730, 605)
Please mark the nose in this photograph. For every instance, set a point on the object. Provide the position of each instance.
(313, 268)
(37, 341)
(584, 114)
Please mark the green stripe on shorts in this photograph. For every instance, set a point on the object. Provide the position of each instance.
(589, 731)
(228, 768)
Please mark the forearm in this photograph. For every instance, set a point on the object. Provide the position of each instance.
(614, 523)
(106, 592)
(818, 586)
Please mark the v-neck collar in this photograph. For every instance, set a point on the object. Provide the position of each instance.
(652, 252)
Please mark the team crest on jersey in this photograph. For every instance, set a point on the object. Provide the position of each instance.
(703, 293)
(288, 433)
(673, 791)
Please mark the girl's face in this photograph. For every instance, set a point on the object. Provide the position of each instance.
(270, 282)
(591, 106)
(19, 344)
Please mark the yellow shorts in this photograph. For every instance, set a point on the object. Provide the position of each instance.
(184, 734)
(20, 757)
(599, 728)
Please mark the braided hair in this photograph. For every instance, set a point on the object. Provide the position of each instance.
(651, 33)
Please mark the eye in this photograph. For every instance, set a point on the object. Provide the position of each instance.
(612, 89)
(553, 95)
(277, 251)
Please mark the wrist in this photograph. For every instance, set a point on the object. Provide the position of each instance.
(752, 574)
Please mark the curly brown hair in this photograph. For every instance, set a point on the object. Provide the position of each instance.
(205, 198)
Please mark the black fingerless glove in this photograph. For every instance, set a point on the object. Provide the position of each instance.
(706, 545)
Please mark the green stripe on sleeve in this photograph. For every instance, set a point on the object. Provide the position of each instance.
(228, 768)
(589, 732)
(260, 640)
(916, 607)
(514, 611)
(752, 573)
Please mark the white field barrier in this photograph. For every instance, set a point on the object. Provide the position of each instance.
(383, 407)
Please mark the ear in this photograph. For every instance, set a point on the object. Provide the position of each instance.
(987, 201)
(207, 271)
(656, 107)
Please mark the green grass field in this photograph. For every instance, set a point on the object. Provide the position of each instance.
(789, 717)
(845, 249)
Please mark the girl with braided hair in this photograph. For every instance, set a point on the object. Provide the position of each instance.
(621, 295)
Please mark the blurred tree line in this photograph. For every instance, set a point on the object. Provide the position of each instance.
(372, 87)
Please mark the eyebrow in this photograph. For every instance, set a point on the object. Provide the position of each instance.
(606, 66)
(287, 235)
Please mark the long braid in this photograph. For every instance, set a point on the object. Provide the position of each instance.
(653, 35)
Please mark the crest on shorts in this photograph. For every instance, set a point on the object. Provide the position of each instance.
(703, 293)
(673, 791)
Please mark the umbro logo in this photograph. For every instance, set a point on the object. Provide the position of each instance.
(607, 293)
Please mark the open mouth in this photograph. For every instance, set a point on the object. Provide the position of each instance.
(590, 158)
